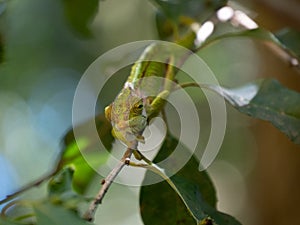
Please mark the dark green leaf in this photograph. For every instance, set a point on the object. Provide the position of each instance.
(174, 9)
(62, 182)
(80, 14)
(174, 17)
(74, 149)
(192, 198)
(60, 190)
(48, 214)
(291, 39)
(1, 49)
(200, 209)
(268, 100)
(164, 26)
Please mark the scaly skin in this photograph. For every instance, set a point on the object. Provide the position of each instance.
(132, 109)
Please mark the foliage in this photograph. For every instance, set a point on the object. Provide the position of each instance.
(193, 196)
(188, 197)
(79, 14)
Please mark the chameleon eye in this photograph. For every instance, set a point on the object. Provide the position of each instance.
(138, 107)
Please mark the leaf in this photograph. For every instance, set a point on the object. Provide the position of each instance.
(80, 14)
(286, 41)
(290, 38)
(60, 190)
(174, 17)
(259, 33)
(268, 100)
(48, 214)
(72, 154)
(6, 222)
(1, 49)
(192, 199)
(191, 195)
(62, 182)
(174, 9)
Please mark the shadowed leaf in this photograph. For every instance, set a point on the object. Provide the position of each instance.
(80, 14)
(174, 9)
(174, 17)
(188, 198)
(268, 100)
(290, 38)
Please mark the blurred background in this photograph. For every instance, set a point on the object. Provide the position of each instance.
(258, 169)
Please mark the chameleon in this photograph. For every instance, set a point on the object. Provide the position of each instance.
(133, 109)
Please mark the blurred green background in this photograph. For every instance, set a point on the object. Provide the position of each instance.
(257, 171)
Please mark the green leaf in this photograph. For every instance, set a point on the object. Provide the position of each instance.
(60, 190)
(186, 198)
(72, 154)
(6, 222)
(287, 41)
(201, 210)
(80, 14)
(174, 9)
(268, 100)
(1, 49)
(62, 182)
(174, 17)
(259, 34)
(290, 38)
(48, 214)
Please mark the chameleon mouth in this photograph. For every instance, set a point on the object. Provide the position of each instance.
(133, 126)
(122, 126)
(126, 127)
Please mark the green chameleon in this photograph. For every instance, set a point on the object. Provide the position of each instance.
(133, 109)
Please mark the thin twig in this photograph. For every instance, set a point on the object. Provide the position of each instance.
(90, 213)
(27, 187)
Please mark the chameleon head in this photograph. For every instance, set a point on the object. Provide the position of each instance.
(128, 117)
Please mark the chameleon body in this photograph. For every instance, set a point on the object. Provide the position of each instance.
(132, 109)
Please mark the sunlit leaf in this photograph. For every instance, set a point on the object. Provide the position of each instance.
(48, 214)
(268, 100)
(190, 197)
(74, 149)
(80, 14)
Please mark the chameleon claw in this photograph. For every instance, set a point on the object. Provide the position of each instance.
(140, 138)
(137, 155)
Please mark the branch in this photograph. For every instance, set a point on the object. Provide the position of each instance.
(90, 213)
(28, 186)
